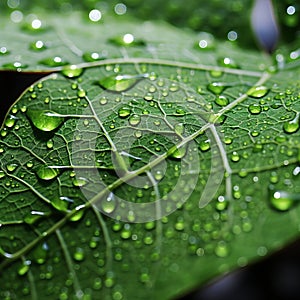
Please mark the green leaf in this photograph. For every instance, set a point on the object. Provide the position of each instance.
(144, 174)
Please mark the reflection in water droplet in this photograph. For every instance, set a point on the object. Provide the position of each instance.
(179, 153)
(72, 71)
(46, 173)
(282, 200)
(204, 145)
(15, 66)
(10, 121)
(79, 254)
(11, 167)
(92, 56)
(179, 128)
(120, 83)
(4, 51)
(62, 203)
(221, 100)
(292, 126)
(227, 63)
(44, 120)
(80, 181)
(258, 91)
(34, 216)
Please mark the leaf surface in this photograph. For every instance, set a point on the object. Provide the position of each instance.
(148, 172)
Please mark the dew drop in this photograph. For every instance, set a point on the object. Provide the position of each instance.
(24, 268)
(221, 100)
(179, 128)
(178, 153)
(221, 249)
(55, 61)
(81, 93)
(282, 200)
(44, 120)
(120, 83)
(72, 71)
(49, 144)
(217, 87)
(37, 46)
(126, 40)
(46, 173)
(134, 120)
(79, 254)
(40, 253)
(34, 216)
(10, 121)
(109, 204)
(92, 56)
(2, 174)
(62, 203)
(80, 181)
(124, 112)
(258, 91)
(254, 109)
(235, 157)
(204, 145)
(4, 51)
(227, 63)
(292, 126)
(11, 167)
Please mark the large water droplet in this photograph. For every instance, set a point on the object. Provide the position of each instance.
(120, 83)
(258, 91)
(44, 120)
(124, 112)
(34, 216)
(134, 120)
(221, 100)
(72, 71)
(10, 121)
(80, 181)
(282, 200)
(46, 173)
(178, 153)
(108, 205)
(254, 109)
(293, 125)
(62, 203)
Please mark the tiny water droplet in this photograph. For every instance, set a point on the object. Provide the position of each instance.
(254, 109)
(46, 173)
(258, 91)
(44, 120)
(134, 120)
(120, 83)
(49, 144)
(124, 112)
(109, 204)
(292, 126)
(72, 71)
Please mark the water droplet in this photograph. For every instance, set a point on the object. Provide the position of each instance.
(24, 268)
(217, 87)
(81, 93)
(10, 121)
(109, 204)
(179, 128)
(254, 109)
(37, 46)
(235, 157)
(120, 83)
(124, 112)
(62, 203)
(292, 126)
(4, 51)
(2, 174)
(53, 62)
(178, 153)
(126, 40)
(258, 91)
(204, 145)
(49, 144)
(80, 181)
(34, 216)
(205, 41)
(15, 66)
(134, 120)
(227, 63)
(79, 254)
(46, 173)
(92, 56)
(78, 214)
(11, 167)
(44, 120)
(40, 253)
(126, 232)
(221, 249)
(221, 100)
(282, 200)
(72, 71)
